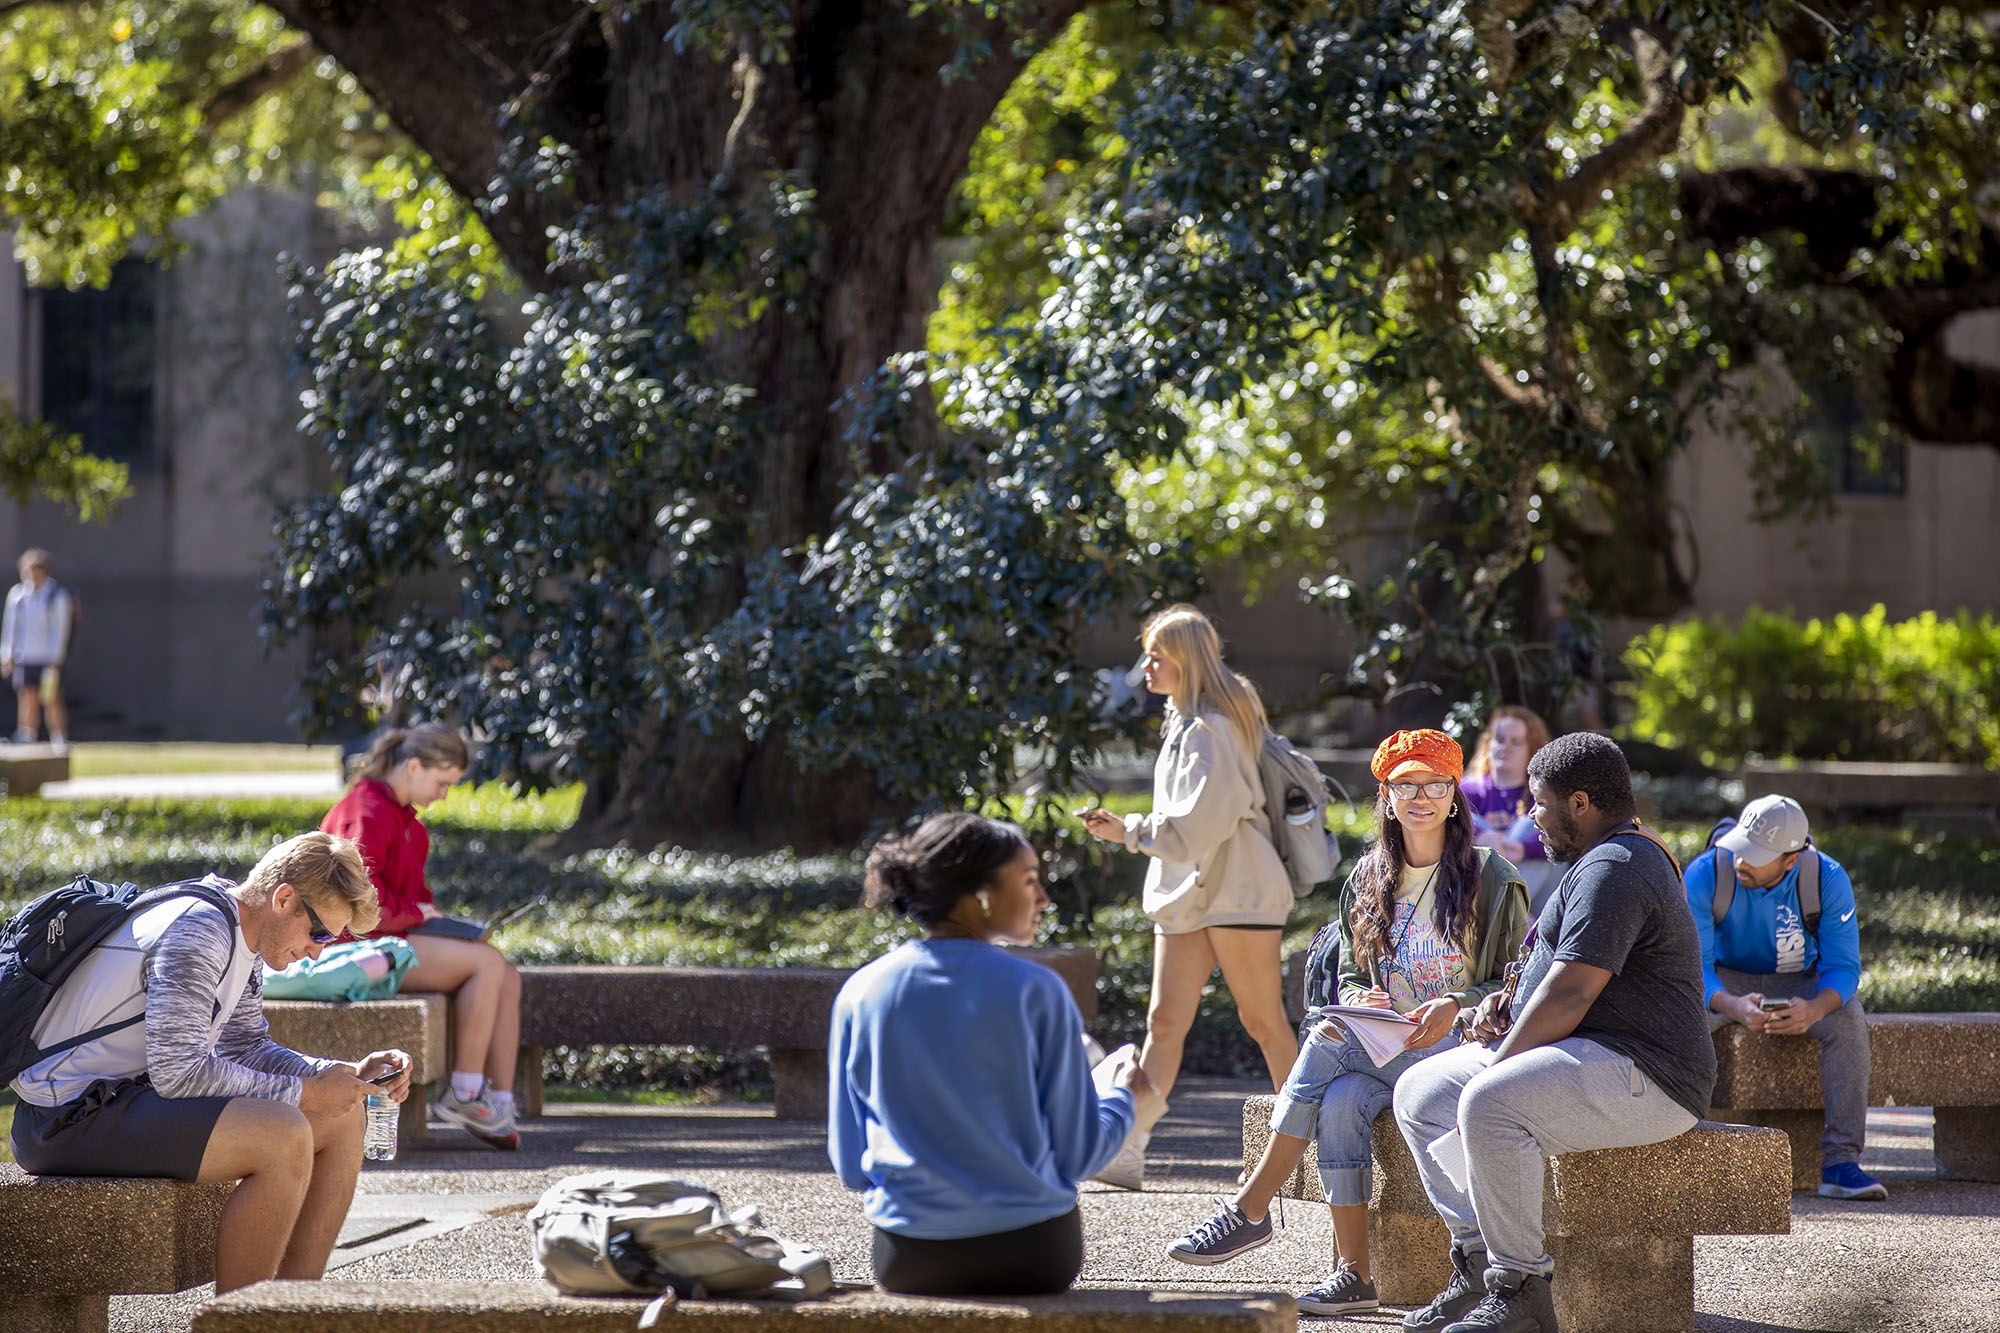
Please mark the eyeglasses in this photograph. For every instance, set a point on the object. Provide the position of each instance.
(1407, 791)
(316, 928)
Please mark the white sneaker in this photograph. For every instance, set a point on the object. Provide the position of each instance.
(476, 1115)
(1128, 1169)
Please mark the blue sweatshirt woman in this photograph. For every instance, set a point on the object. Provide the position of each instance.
(959, 1096)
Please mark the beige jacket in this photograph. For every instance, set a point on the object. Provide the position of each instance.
(1213, 862)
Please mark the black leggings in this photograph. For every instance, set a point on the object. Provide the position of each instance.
(1033, 1261)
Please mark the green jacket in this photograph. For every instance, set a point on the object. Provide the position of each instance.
(1500, 918)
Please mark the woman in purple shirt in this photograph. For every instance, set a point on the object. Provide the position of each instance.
(1496, 788)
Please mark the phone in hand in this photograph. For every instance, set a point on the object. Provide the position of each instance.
(384, 1079)
(1771, 1006)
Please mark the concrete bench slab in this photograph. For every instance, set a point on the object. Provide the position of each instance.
(1620, 1222)
(1821, 784)
(786, 1009)
(140, 1237)
(1949, 1062)
(419, 1024)
(26, 769)
(533, 1307)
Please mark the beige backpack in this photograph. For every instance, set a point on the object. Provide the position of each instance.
(633, 1233)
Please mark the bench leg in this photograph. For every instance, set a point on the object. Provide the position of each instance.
(799, 1076)
(1966, 1142)
(1613, 1284)
(58, 1314)
(1803, 1128)
(413, 1119)
(528, 1080)
(1411, 1256)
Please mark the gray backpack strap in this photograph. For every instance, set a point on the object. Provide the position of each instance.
(1809, 889)
(1725, 883)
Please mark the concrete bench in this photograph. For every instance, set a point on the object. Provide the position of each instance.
(532, 1307)
(1948, 1062)
(26, 769)
(419, 1024)
(1620, 1223)
(1820, 786)
(68, 1244)
(787, 1009)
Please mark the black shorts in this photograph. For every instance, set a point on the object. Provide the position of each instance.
(116, 1129)
(28, 675)
(1033, 1260)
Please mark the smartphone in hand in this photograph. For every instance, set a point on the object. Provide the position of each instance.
(1771, 1006)
(384, 1079)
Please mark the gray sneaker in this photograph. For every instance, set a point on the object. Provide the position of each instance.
(1467, 1285)
(1343, 1292)
(1221, 1238)
(1514, 1303)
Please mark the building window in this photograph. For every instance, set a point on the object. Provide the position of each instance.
(98, 349)
(1859, 454)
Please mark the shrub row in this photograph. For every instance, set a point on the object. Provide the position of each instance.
(1848, 687)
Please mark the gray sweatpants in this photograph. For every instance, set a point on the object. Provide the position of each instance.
(1570, 1097)
(1843, 1056)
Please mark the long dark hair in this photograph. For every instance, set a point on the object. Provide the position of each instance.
(1381, 871)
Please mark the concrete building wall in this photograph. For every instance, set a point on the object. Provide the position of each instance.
(167, 643)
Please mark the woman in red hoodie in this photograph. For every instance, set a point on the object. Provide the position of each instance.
(404, 772)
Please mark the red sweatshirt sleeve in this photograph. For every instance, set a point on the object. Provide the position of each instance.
(394, 845)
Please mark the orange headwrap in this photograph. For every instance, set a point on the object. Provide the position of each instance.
(1417, 751)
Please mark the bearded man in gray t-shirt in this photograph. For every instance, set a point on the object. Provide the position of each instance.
(1601, 1042)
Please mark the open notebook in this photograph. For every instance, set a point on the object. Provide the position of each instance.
(1381, 1032)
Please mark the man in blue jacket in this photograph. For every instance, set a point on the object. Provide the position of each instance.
(1766, 946)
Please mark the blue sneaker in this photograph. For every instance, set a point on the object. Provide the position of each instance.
(1221, 1238)
(1848, 1181)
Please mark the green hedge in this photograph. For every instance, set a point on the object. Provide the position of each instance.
(1850, 687)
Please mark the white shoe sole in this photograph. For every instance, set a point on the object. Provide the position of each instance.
(1210, 1260)
(1338, 1307)
(1872, 1194)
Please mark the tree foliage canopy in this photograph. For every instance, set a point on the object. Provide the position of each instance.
(728, 517)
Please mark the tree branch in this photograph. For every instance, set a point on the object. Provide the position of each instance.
(1652, 133)
(266, 77)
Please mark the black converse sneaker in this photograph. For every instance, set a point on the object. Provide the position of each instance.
(1343, 1292)
(1221, 1238)
(1457, 1298)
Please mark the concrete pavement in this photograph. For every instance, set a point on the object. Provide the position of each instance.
(1925, 1260)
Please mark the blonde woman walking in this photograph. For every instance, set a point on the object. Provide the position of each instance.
(1215, 889)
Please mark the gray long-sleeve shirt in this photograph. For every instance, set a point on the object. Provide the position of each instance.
(187, 967)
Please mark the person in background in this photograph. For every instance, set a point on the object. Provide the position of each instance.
(1497, 791)
(1215, 889)
(404, 772)
(960, 1100)
(34, 639)
(1766, 949)
(1427, 923)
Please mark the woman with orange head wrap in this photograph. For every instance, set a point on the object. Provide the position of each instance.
(1427, 925)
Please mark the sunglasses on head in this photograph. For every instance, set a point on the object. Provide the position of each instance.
(316, 928)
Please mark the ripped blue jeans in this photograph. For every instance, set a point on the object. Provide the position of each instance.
(1332, 1097)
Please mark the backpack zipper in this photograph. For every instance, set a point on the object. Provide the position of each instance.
(56, 929)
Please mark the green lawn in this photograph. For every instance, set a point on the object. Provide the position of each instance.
(104, 759)
(1929, 905)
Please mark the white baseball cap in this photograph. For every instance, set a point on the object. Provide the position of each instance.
(1770, 827)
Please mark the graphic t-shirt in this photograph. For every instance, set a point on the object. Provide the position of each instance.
(1422, 964)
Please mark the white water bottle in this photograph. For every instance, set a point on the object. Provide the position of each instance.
(378, 1142)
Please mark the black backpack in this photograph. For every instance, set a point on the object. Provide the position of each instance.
(1725, 877)
(42, 945)
(1323, 966)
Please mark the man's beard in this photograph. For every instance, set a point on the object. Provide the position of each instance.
(1560, 838)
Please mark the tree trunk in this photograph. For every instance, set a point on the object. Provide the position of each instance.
(861, 115)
